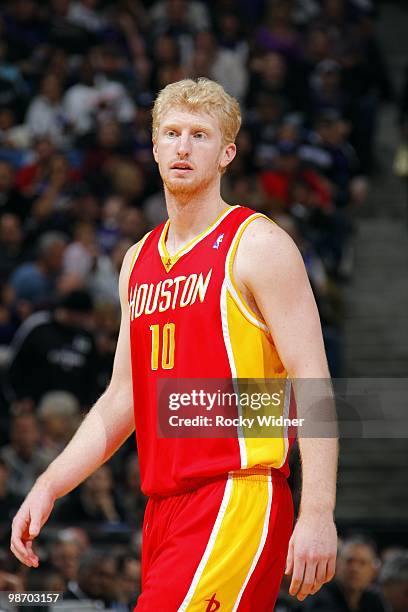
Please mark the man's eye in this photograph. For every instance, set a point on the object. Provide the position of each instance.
(170, 133)
(199, 135)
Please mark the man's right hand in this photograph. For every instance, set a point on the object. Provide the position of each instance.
(28, 521)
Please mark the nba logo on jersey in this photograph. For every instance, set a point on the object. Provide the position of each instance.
(218, 241)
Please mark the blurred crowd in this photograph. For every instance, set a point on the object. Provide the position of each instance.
(78, 186)
(365, 581)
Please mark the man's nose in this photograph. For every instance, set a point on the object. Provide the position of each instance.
(184, 145)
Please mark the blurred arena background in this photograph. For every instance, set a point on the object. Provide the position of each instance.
(323, 151)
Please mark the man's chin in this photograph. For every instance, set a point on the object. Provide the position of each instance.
(181, 186)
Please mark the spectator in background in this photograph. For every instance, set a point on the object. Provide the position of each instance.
(58, 414)
(45, 115)
(81, 253)
(271, 75)
(77, 535)
(84, 206)
(56, 352)
(154, 209)
(9, 321)
(220, 64)
(165, 53)
(330, 153)
(129, 580)
(103, 157)
(85, 14)
(12, 135)
(108, 232)
(65, 557)
(180, 19)
(230, 34)
(11, 200)
(53, 582)
(26, 29)
(326, 91)
(352, 589)
(278, 183)
(128, 182)
(132, 224)
(11, 245)
(52, 208)
(278, 33)
(32, 175)
(134, 502)
(142, 138)
(24, 456)
(95, 98)
(9, 501)
(103, 282)
(97, 581)
(394, 582)
(264, 124)
(107, 321)
(96, 501)
(81, 102)
(35, 282)
(11, 582)
(13, 88)
(316, 47)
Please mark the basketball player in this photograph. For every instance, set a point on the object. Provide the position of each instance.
(217, 291)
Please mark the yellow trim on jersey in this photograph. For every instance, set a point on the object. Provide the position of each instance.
(256, 358)
(240, 529)
(136, 252)
(252, 355)
(169, 260)
(237, 294)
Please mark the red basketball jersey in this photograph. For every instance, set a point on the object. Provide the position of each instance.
(189, 320)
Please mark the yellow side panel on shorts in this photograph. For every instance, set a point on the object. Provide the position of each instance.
(234, 545)
(255, 357)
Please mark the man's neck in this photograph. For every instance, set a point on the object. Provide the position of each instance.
(353, 597)
(191, 216)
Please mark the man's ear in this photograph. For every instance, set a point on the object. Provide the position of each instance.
(155, 151)
(228, 155)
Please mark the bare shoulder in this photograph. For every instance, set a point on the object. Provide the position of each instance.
(126, 267)
(128, 258)
(266, 250)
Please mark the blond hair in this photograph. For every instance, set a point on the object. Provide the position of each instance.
(200, 95)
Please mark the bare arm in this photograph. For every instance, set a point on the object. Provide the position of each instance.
(270, 270)
(107, 425)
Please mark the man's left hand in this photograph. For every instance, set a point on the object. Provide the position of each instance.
(312, 553)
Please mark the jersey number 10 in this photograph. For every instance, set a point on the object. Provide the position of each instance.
(165, 337)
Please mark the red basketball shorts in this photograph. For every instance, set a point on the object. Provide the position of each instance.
(221, 547)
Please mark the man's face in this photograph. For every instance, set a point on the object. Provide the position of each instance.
(99, 581)
(55, 256)
(24, 435)
(357, 567)
(10, 230)
(130, 579)
(6, 176)
(65, 557)
(189, 151)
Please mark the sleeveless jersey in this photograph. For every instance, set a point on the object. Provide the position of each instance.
(189, 320)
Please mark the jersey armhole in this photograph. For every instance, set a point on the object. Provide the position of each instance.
(232, 285)
(137, 253)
